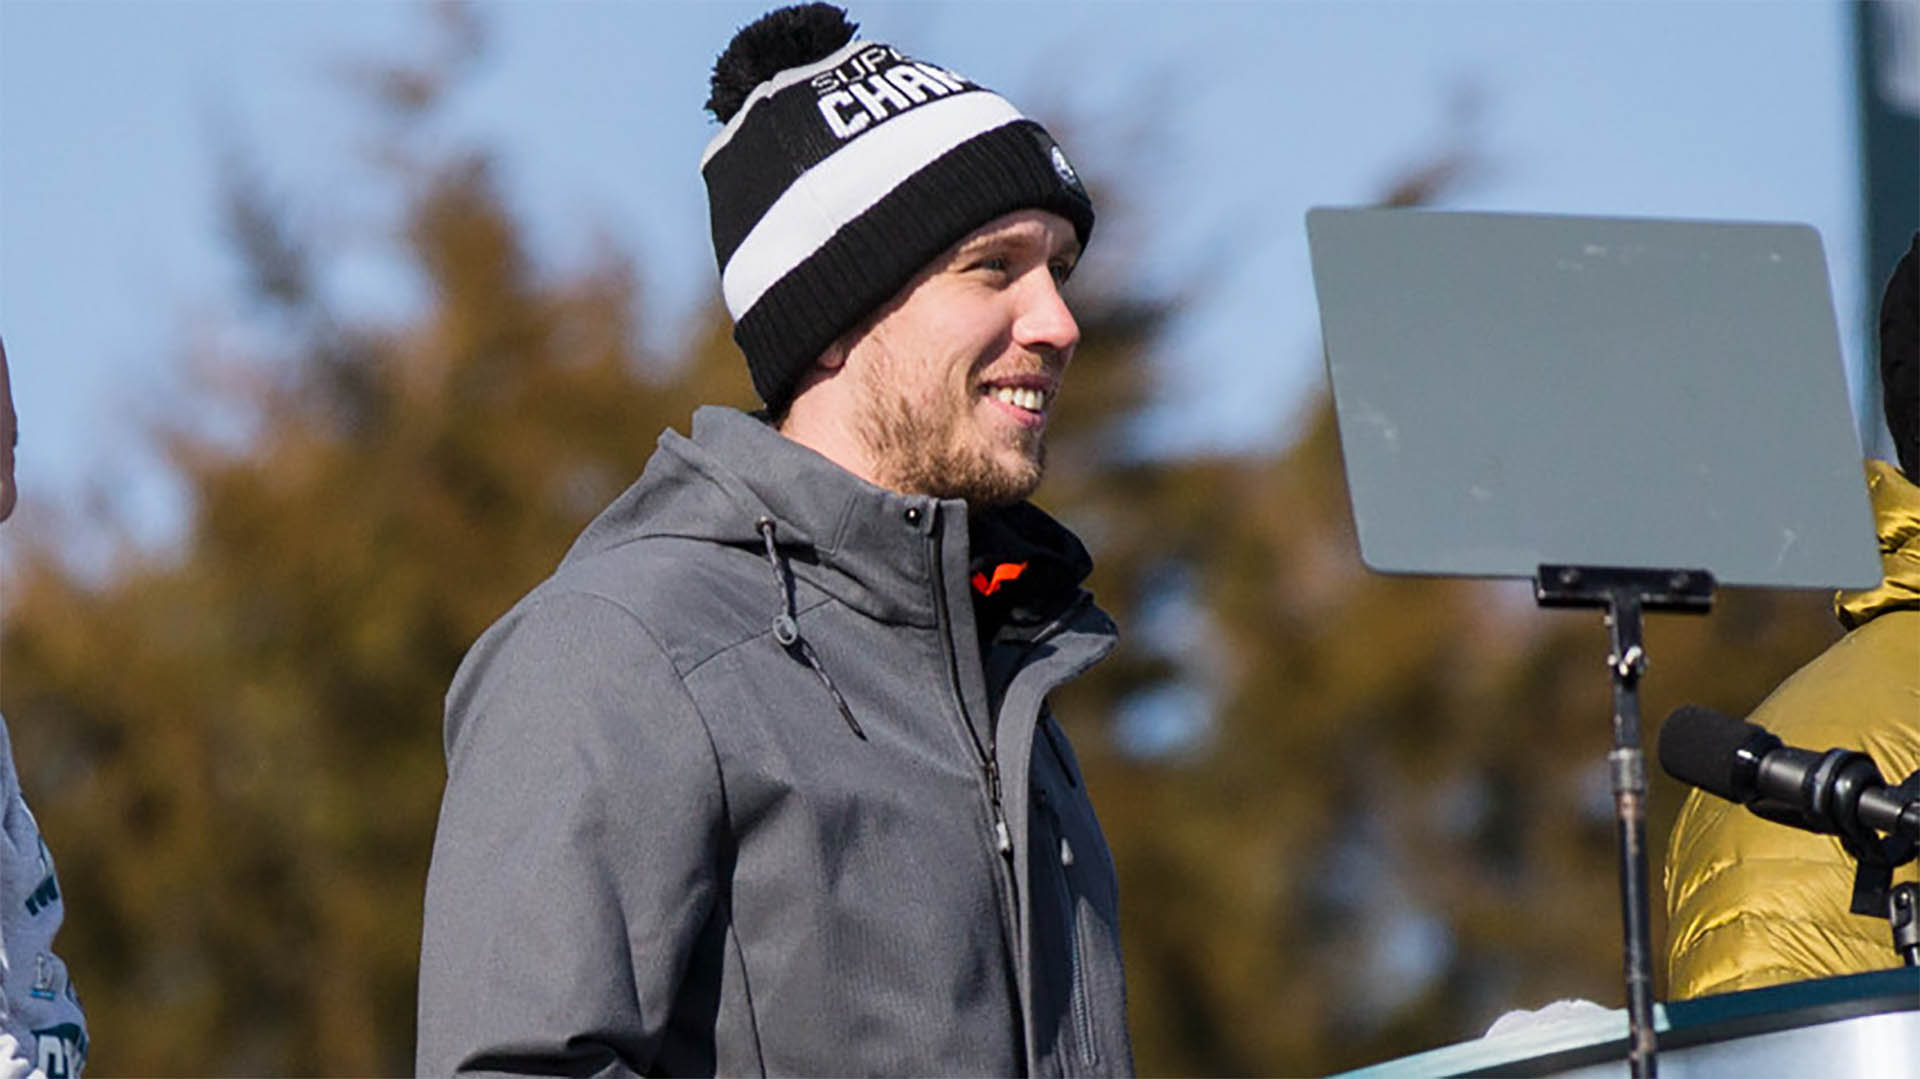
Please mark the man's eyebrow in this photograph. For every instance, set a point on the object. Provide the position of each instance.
(986, 243)
(1018, 238)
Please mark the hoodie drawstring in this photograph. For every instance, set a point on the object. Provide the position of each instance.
(786, 629)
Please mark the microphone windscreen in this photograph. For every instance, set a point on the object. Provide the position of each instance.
(1701, 747)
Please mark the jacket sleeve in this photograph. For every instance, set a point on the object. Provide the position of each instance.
(575, 860)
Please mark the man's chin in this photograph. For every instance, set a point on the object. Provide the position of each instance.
(981, 475)
(1001, 484)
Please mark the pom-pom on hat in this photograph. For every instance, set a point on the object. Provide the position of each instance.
(844, 167)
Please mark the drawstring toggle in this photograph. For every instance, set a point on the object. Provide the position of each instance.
(786, 629)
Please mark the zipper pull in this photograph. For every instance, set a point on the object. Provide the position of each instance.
(1002, 838)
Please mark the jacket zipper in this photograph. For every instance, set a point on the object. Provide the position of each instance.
(990, 771)
(984, 754)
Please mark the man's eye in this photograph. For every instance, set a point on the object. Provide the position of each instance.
(990, 263)
(1061, 269)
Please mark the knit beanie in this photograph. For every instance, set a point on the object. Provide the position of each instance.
(844, 168)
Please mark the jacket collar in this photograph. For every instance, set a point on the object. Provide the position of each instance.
(1896, 515)
(865, 545)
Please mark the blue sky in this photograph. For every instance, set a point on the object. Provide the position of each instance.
(1221, 122)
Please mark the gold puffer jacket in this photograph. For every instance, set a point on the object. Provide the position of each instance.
(1753, 903)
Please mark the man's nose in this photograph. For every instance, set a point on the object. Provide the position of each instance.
(1044, 322)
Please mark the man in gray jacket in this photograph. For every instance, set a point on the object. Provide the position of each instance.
(763, 778)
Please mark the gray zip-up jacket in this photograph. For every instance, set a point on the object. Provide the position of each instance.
(743, 788)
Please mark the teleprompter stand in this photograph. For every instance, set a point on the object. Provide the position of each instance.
(1625, 594)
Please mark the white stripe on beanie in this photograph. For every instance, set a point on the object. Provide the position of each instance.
(847, 183)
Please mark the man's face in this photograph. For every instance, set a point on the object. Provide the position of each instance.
(9, 435)
(956, 374)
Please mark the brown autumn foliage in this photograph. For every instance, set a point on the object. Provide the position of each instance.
(1373, 817)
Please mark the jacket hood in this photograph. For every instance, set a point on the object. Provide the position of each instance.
(735, 470)
(1896, 515)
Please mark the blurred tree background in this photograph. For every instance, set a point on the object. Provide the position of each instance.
(1354, 816)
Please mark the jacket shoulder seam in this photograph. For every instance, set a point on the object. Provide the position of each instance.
(562, 588)
(765, 631)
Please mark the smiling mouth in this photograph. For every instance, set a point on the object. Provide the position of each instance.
(1022, 397)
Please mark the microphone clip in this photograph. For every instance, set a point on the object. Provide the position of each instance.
(1876, 858)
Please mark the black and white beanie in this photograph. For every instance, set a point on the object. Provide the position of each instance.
(844, 168)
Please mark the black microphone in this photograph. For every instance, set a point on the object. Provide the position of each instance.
(1834, 793)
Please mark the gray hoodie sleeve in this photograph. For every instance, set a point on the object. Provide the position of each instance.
(575, 861)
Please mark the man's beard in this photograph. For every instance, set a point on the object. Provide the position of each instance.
(918, 447)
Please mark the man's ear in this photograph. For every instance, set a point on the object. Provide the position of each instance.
(834, 356)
